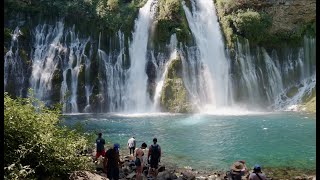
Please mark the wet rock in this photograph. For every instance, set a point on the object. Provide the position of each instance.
(125, 170)
(188, 176)
(85, 175)
(164, 175)
(131, 175)
(161, 168)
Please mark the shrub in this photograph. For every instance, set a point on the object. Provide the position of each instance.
(113, 5)
(251, 24)
(34, 144)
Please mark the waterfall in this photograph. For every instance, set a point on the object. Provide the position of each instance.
(173, 55)
(302, 68)
(13, 66)
(72, 64)
(113, 87)
(45, 58)
(214, 63)
(136, 90)
(88, 87)
(52, 57)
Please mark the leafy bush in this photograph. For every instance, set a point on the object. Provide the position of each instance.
(251, 24)
(34, 144)
(113, 5)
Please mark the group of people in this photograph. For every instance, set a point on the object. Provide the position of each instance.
(111, 160)
(239, 170)
(141, 160)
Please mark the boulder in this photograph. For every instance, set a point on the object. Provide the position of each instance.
(85, 175)
(161, 168)
(164, 175)
(131, 175)
(188, 176)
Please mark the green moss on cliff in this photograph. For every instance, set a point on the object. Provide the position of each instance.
(249, 19)
(310, 106)
(174, 96)
(7, 35)
(171, 19)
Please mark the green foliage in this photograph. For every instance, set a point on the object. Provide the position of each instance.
(7, 35)
(251, 24)
(34, 144)
(171, 19)
(113, 5)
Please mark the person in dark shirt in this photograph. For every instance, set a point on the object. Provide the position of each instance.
(112, 160)
(100, 146)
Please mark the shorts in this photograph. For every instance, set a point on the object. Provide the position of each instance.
(154, 164)
(101, 153)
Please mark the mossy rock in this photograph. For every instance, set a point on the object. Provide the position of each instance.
(310, 106)
(24, 56)
(292, 92)
(174, 97)
(7, 35)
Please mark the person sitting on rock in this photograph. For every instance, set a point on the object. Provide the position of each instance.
(154, 154)
(257, 174)
(112, 160)
(139, 162)
(237, 170)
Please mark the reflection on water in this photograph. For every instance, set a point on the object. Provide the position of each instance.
(205, 141)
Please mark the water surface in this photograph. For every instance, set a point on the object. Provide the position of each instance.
(210, 142)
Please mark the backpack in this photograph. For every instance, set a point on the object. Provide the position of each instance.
(155, 152)
(137, 162)
(234, 176)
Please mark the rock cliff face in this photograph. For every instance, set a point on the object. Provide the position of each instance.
(288, 15)
(267, 23)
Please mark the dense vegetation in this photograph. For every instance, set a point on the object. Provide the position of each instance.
(110, 15)
(248, 19)
(34, 144)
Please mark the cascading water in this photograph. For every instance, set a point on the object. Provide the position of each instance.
(249, 77)
(136, 90)
(268, 80)
(113, 87)
(13, 65)
(72, 65)
(45, 58)
(49, 53)
(173, 55)
(88, 87)
(214, 64)
(302, 66)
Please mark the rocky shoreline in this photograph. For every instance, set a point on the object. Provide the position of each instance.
(171, 172)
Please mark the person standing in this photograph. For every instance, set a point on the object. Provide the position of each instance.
(154, 154)
(131, 145)
(139, 162)
(100, 146)
(112, 160)
(257, 174)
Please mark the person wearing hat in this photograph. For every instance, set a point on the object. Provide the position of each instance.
(257, 174)
(237, 170)
(112, 160)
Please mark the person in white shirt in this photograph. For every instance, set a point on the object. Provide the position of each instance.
(131, 145)
(257, 174)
